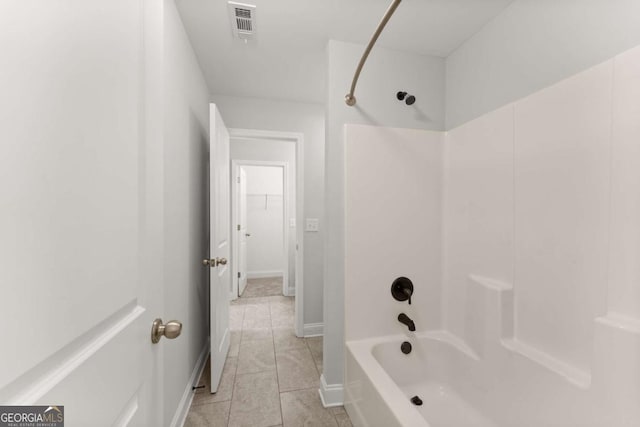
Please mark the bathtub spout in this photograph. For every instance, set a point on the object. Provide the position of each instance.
(404, 319)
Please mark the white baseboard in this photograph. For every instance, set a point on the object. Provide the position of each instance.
(263, 274)
(313, 330)
(331, 394)
(180, 415)
(291, 291)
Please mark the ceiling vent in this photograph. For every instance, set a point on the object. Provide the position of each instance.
(243, 20)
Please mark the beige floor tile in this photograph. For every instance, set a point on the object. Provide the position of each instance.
(282, 303)
(282, 313)
(282, 316)
(261, 333)
(257, 309)
(256, 316)
(238, 301)
(337, 410)
(304, 408)
(225, 388)
(285, 339)
(343, 420)
(282, 323)
(296, 370)
(255, 401)
(234, 343)
(256, 356)
(258, 300)
(236, 317)
(281, 299)
(205, 377)
(257, 333)
(263, 287)
(208, 415)
(315, 345)
(251, 324)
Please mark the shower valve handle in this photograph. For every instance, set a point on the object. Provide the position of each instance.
(408, 293)
(402, 289)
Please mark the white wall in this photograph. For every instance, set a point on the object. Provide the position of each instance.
(387, 72)
(393, 211)
(308, 119)
(265, 219)
(265, 179)
(478, 213)
(541, 195)
(541, 242)
(186, 195)
(532, 44)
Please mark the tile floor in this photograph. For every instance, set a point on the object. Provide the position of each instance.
(265, 287)
(271, 377)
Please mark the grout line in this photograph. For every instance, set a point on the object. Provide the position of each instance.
(299, 389)
(235, 373)
(315, 362)
(242, 330)
(275, 360)
(314, 389)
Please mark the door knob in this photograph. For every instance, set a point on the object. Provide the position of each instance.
(248, 234)
(214, 262)
(171, 330)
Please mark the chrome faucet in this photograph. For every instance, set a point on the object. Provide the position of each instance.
(404, 319)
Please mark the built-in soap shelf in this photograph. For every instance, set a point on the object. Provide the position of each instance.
(498, 320)
(574, 375)
(620, 321)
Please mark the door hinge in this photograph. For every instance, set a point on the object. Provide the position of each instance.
(238, 180)
(238, 227)
(239, 275)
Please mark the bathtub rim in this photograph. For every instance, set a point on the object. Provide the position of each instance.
(401, 408)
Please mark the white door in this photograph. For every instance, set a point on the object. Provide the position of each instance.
(220, 203)
(81, 199)
(243, 233)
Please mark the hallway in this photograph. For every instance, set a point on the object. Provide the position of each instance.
(271, 377)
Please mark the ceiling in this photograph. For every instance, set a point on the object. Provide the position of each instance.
(287, 59)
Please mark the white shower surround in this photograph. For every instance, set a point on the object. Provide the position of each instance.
(521, 232)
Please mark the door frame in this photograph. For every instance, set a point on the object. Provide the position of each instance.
(235, 167)
(298, 140)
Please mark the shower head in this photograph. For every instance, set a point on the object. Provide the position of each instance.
(402, 96)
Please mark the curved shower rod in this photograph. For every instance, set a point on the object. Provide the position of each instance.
(350, 98)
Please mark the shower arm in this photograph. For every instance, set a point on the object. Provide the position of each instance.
(350, 98)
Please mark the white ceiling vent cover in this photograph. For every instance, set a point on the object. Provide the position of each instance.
(243, 20)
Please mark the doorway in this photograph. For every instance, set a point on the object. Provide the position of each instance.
(284, 150)
(262, 217)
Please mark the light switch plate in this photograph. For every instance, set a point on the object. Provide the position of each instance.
(312, 225)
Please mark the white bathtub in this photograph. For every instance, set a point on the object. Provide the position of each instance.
(503, 389)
